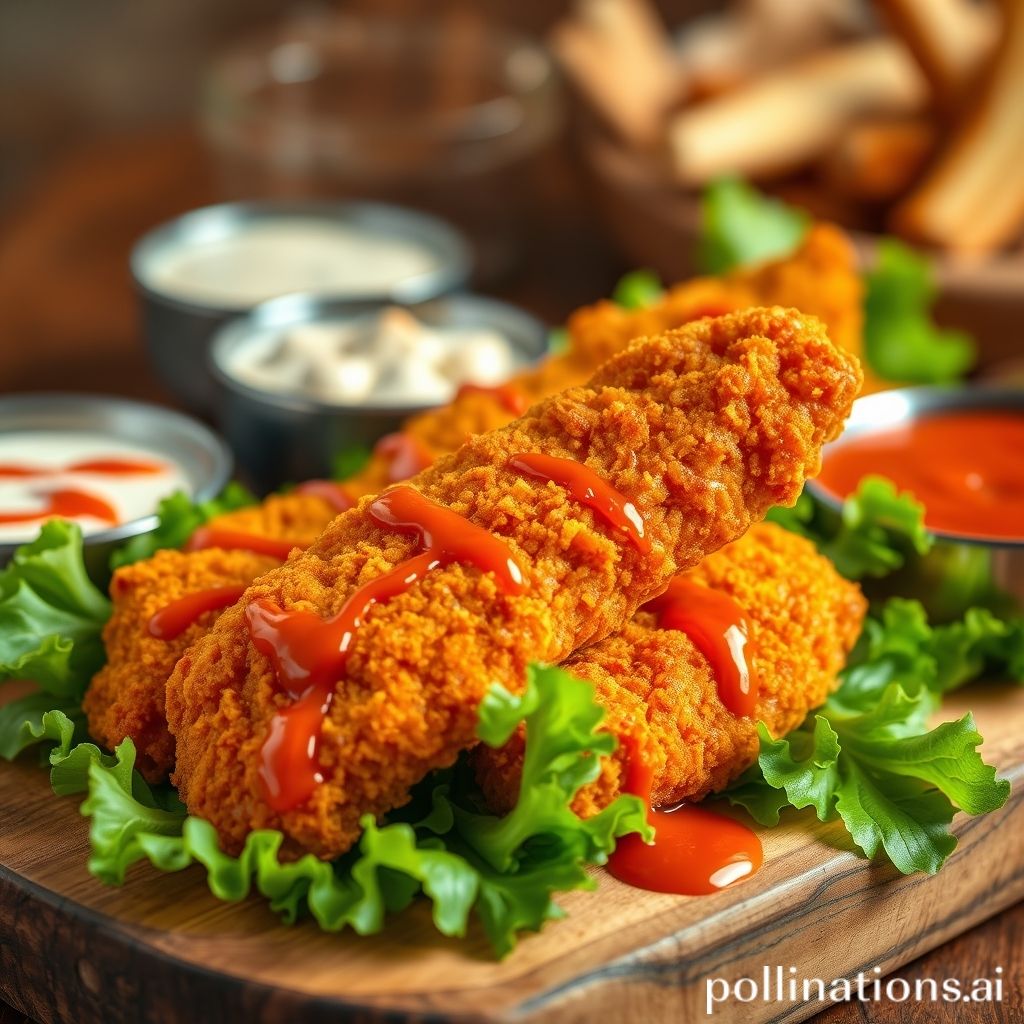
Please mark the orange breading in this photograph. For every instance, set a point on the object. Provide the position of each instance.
(298, 517)
(703, 428)
(660, 691)
(126, 697)
(819, 278)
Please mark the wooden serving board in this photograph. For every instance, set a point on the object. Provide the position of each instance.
(162, 949)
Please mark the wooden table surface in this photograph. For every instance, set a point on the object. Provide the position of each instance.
(68, 320)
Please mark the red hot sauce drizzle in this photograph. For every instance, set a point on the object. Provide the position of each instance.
(330, 491)
(695, 851)
(719, 629)
(508, 396)
(104, 467)
(237, 540)
(309, 653)
(66, 503)
(405, 454)
(173, 619)
(586, 487)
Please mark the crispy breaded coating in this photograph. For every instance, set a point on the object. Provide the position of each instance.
(297, 517)
(126, 697)
(819, 278)
(660, 691)
(703, 429)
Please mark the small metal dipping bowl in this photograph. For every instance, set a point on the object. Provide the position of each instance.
(177, 331)
(203, 458)
(280, 438)
(989, 571)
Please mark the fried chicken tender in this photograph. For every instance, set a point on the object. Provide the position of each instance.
(296, 517)
(126, 697)
(703, 429)
(660, 692)
(819, 278)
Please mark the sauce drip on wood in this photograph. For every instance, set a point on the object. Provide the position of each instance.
(237, 540)
(966, 468)
(586, 487)
(330, 491)
(695, 851)
(106, 467)
(173, 619)
(405, 454)
(719, 629)
(308, 653)
(66, 503)
(508, 396)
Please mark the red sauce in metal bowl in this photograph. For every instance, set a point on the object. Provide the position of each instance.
(966, 468)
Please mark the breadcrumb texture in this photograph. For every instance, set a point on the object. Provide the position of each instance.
(126, 697)
(296, 517)
(703, 428)
(660, 692)
(820, 278)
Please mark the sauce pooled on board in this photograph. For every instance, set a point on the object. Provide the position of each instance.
(695, 851)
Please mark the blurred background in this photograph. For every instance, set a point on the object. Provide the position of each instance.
(568, 141)
(100, 108)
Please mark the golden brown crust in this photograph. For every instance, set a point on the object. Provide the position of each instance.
(659, 690)
(296, 517)
(820, 279)
(126, 697)
(703, 428)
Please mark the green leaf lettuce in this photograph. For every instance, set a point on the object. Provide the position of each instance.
(505, 869)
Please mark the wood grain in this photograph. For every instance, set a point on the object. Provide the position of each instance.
(75, 950)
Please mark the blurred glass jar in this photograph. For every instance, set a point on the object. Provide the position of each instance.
(449, 115)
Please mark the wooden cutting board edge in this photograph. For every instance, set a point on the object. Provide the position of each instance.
(65, 962)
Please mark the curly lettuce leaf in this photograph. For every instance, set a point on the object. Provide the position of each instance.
(350, 461)
(901, 341)
(51, 614)
(637, 289)
(179, 517)
(740, 226)
(878, 530)
(506, 870)
(33, 719)
(868, 756)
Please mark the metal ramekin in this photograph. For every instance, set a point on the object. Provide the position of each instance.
(178, 332)
(988, 571)
(280, 438)
(202, 456)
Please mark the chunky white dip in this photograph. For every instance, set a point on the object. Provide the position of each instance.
(388, 359)
(268, 258)
(47, 456)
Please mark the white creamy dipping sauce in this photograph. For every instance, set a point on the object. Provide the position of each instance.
(390, 358)
(45, 469)
(265, 259)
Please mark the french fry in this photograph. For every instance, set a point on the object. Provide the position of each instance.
(784, 120)
(750, 38)
(878, 159)
(950, 39)
(973, 197)
(620, 56)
